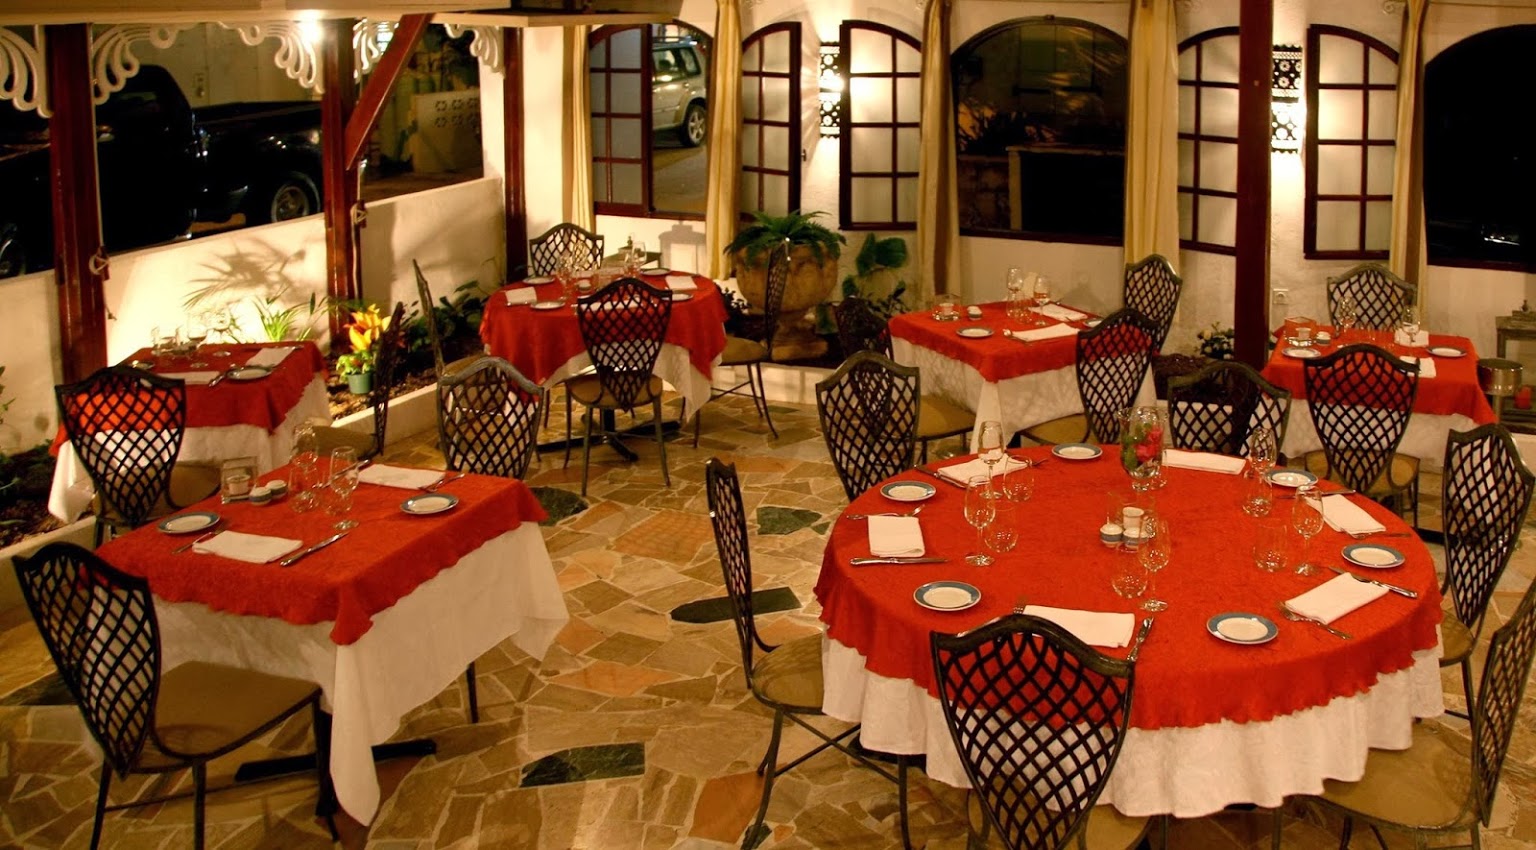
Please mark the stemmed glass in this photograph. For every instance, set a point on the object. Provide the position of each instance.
(989, 443)
(1307, 519)
(1262, 450)
(1042, 295)
(306, 468)
(1408, 323)
(980, 510)
(1155, 551)
(344, 480)
(197, 332)
(220, 321)
(1347, 315)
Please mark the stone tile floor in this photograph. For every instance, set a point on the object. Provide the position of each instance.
(636, 730)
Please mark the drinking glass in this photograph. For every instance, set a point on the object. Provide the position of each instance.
(220, 322)
(343, 481)
(1408, 323)
(1262, 450)
(162, 341)
(1307, 519)
(304, 490)
(989, 443)
(1347, 314)
(1130, 579)
(1258, 494)
(1002, 533)
(1155, 551)
(197, 332)
(980, 509)
(1042, 295)
(1014, 280)
(1018, 480)
(635, 260)
(1269, 546)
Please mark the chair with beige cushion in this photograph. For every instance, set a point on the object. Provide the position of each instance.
(1112, 362)
(787, 678)
(388, 349)
(869, 414)
(751, 352)
(434, 334)
(1361, 398)
(1379, 296)
(99, 624)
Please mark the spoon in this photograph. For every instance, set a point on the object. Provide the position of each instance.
(1301, 618)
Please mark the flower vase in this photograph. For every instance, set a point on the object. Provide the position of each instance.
(360, 383)
(1141, 447)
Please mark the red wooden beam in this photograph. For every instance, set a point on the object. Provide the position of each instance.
(516, 200)
(339, 175)
(381, 81)
(1250, 297)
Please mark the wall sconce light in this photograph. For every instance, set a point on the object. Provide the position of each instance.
(1285, 108)
(830, 96)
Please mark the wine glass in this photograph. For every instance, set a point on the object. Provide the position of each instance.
(1042, 294)
(197, 332)
(980, 510)
(637, 257)
(1347, 314)
(1262, 450)
(1014, 280)
(989, 444)
(1155, 551)
(1408, 323)
(221, 322)
(344, 480)
(1307, 519)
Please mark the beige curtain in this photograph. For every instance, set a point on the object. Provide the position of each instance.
(1407, 256)
(577, 129)
(938, 213)
(720, 209)
(1152, 137)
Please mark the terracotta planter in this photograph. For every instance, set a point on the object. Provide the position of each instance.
(809, 284)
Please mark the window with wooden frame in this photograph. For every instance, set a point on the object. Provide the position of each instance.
(1351, 144)
(770, 120)
(1208, 87)
(880, 125)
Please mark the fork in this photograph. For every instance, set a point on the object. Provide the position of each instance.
(185, 546)
(1302, 618)
(914, 512)
(446, 479)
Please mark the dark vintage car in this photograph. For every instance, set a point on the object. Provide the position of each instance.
(163, 166)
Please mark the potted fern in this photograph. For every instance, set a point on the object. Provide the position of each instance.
(814, 251)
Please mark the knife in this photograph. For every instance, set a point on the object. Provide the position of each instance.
(221, 376)
(295, 557)
(1401, 591)
(946, 479)
(860, 562)
(1141, 638)
(1329, 493)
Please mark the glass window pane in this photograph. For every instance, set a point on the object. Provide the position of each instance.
(627, 184)
(625, 89)
(1218, 166)
(869, 99)
(1187, 63)
(747, 197)
(625, 138)
(599, 136)
(909, 99)
(1218, 220)
(750, 104)
(871, 199)
(871, 148)
(1338, 169)
(752, 58)
(597, 54)
(909, 59)
(776, 58)
(1186, 109)
(776, 98)
(908, 148)
(1338, 226)
(868, 52)
(777, 150)
(906, 199)
(598, 89)
(1338, 114)
(600, 181)
(1218, 113)
(775, 194)
(1186, 162)
(1186, 208)
(1383, 123)
(1220, 61)
(1378, 169)
(750, 137)
(625, 47)
(1340, 60)
(1378, 225)
(1383, 69)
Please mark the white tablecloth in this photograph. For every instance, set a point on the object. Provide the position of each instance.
(1424, 439)
(416, 648)
(672, 366)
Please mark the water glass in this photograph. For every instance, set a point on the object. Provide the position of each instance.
(980, 509)
(1018, 481)
(304, 492)
(1307, 519)
(1258, 494)
(197, 332)
(1130, 579)
(1269, 546)
(1002, 533)
(1262, 449)
(343, 482)
(162, 341)
(989, 444)
(1154, 554)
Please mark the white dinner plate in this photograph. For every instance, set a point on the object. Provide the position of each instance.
(656, 272)
(1373, 555)
(429, 503)
(946, 595)
(1077, 451)
(1290, 477)
(188, 523)
(908, 491)
(538, 279)
(1243, 628)
(548, 305)
(1448, 351)
(1297, 353)
(249, 373)
(682, 296)
(974, 333)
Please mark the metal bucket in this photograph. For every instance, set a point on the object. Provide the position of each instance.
(1499, 378)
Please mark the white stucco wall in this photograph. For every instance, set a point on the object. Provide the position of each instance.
(29, 351)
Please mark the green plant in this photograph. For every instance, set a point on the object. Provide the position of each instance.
(876, 256)
(767, 231)
(355, 363)
(278, 322)
(1216, 342)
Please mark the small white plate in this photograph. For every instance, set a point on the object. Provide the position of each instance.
(429, 503)
(548, 305)
(1373, 555)
(188, 523)
(1243, 628)
(908, 491)
(656, 272)
(682, 296)
(1290, 477)
(974, 333)
(1091, 323)
(249, 373)
(1447, 351)
(1077, 451)
(946, 596)
(538, 279)
(1302, 353)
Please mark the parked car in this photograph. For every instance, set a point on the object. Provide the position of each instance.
(679, 85)
(163, 165)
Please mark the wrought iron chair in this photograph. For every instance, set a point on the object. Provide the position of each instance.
(752, 352)
(429, 315)
(545, 251)
(388, 348)
(1153, 289)
(1112, 362)
(1214, 409)
(786, 678)
(1361, 398)
(1485, 495)
(869, 413)
(99, 625)
(860, 328)
(1039, 719)
(1435, 787)
(623, 325)
(1379, 296)
(126, 427)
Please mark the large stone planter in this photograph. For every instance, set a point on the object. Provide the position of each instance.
(809, 284)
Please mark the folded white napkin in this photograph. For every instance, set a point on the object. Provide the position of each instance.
(251, 548)
(1426, 366)
(1419, 340)
(962, 473)
(1203, 461)
(1334, 598)
(1038, 334)
(681, 283)
(895, 537)
(1095, 628)
(1060, 313)
(399, 476)
(271, 358)
(1343, 515)
(191, 377)
(525, 295)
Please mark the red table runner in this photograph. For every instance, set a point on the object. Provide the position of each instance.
(383, 559)
(996, 357)
(540, 342)
(1185, 677)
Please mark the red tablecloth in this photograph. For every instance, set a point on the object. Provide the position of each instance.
(996, 357)
(1185, 677)
(384, 558)
(540, 342)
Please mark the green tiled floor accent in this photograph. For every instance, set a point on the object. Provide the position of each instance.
(774, 520)
(583, 764)
(716, 610)
(559, 504)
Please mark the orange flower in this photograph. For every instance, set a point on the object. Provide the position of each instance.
(366, 327)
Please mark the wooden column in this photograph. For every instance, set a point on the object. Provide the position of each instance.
(516, 201)
(339, 176)
(1251, 294)
(76, 213)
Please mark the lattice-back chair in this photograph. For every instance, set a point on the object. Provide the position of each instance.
(869, 411)
(623, 325)
(1434, 787)
(1361, 398)
(1038, 718)
(582, 246)
(755, 349)
(1378, 293)
(434, 334)
(1216, 408)
(1112, 363)
(1153, 289)
(388, 349)
(126, 427)
(860, 328)
(99, 625)
(786, 678)
(1486, 492)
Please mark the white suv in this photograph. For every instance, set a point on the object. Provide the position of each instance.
(679, 82)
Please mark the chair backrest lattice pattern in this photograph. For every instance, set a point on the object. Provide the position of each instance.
(1112, 362)
(1378, 293)
(388, 349)
(564, 240)
(1216, 408)
(624, 325)
(1038, 718)
(860, 328)
(99, 625)
(429, 315)
(1485, 495)
(1152, 289)
(869, 410)
(126, 426)
(729, 517)
(489, 418)
(1505, 675)
(1360, 398)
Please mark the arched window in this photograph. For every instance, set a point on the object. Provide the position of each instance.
(880, 127)
(1479, 157)
(1040, 131)
(1208, 86)
(770, 120)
